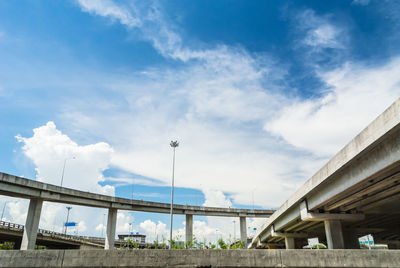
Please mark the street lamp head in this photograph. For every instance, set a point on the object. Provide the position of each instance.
(174, 144)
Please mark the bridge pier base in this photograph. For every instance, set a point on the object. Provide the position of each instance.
(334, 234)
(111, 226)
(243, 230)
(31, 224)
(189, 228)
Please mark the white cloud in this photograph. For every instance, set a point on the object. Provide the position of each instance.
(154, 231)
(48, 148)
(357, 95)
(215, 198)
(145, 17)
(320, 31)
(218, 105)
(107, 8)
(324, 36)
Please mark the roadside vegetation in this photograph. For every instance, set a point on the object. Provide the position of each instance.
(192, 244)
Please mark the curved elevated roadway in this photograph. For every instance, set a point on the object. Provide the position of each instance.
(356, 193)
(38, 192)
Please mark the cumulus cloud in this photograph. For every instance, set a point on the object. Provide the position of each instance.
(49, 149)
(241, 135)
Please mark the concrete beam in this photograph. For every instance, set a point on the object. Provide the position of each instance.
(189, 228)
(31, 224)
(243, 229)
(334, 234)
(291, 235)
(23, 188)
(314, 216)
(111, 226)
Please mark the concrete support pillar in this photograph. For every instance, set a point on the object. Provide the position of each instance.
(243, 229)
(289, 243)
(334, 234)
(189, 228)
(31, 224)
(111, 225)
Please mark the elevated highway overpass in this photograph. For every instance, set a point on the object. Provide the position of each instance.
(13, 232)
(356, 193)
(37, 192)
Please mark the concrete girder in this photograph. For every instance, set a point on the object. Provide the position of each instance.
(313, 216)
(386, 182)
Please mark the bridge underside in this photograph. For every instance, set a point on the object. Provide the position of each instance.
(377, 198)
(49, 243)
(355, 194)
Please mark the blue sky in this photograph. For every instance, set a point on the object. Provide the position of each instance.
(259, 93)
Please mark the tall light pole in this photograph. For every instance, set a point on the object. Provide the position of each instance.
(102, 227)
(2, 213)
(68, 208)
(173, 144)
(63, 170)
(234, 230)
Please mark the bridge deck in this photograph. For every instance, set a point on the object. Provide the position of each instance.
(11, 185)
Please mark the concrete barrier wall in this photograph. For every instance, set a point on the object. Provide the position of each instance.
(200, 258)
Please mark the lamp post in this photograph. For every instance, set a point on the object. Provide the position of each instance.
(62, 175)
(173, 144)
(234, 230)
(2, 213)
(68, 208)
(102, 227)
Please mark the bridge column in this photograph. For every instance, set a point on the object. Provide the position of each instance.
(289, 243)
(334, 234)
(111, 225)
(31, 224)
(189, 228)
(243, 230)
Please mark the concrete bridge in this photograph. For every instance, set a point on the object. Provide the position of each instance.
(13, 232)
(356, 193)
(37, 192)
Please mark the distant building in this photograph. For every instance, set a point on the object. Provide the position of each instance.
(134, 237)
